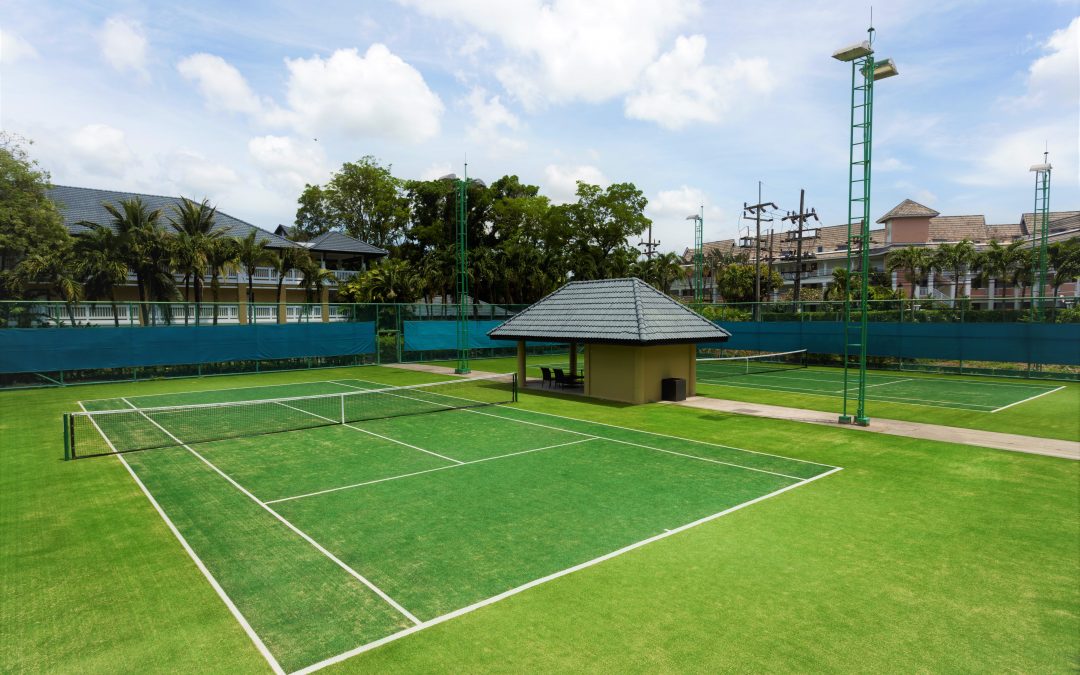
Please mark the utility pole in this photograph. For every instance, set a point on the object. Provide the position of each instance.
(800, 219)
(649, 245)
(753, 212)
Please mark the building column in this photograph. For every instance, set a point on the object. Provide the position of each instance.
(895, 276)
(588, 369)
(241, 302)
(967, 284)
(573, 359)
(691, 381)
(991, 292)
(521, 363)
(930, 284)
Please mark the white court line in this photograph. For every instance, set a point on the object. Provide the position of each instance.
(653, 433)
(880, 384)
(1030, 398)
(318, 547)
(252, 635)
(929, 403)
(542, 580)
(605, 438)
(438, 468)
(204, 391)
(385, 438)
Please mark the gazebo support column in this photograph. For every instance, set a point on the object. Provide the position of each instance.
(521, 363)
(573, 359)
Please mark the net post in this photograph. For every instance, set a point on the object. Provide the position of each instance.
(515, 387)
(343, 408)
(67, 436)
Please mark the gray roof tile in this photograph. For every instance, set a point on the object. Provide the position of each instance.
(909, 209)
(620, 311)
(337, 242)
(84, 204)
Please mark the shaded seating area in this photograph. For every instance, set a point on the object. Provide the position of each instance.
(634, 337)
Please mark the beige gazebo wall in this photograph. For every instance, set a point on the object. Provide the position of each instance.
(633, 374)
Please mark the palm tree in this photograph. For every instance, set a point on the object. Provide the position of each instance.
(100, 263)
(915, 261)
(839, 284)
(954, 259)
(1064, 259)
(194, 223)
(1022, 272)
(287, 260)
(666, 268)
(221, 257)
(52, 269)
(252, 253)
(392, 280)
(137, 226)
(996, 262)
(315, 278)
(189, 259)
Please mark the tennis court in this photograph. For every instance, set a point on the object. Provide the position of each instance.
(332, 517)
(788, 372)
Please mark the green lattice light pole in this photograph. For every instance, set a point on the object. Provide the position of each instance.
(864, 72)
(461, 268)
(699, 256)
(1040, 236)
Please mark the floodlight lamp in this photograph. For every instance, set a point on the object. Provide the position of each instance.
(885, 68)
(694, 217)
(855, 51)
(1040, 168)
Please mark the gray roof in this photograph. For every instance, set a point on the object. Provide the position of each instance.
(909, 209)
(336, 242)
(78, 204)
(610, 311)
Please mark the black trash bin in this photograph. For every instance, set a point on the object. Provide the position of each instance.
(673, 389)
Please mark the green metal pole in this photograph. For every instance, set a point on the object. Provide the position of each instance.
(463, 276)
(844, 417)
(864, 238)
(67, 436)
(699, 258)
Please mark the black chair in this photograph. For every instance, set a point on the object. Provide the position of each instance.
(548, 379)
(566, 380)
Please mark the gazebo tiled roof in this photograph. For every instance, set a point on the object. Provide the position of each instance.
(610, 311)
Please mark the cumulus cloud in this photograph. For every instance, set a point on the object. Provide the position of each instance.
(376, 94)
(679, 88)
(1004, 160)
(13, 48)
(123, 45)
(1056, 75)
(564, 50)
(668, 210)
(288, 162)
(436, 170)
(560, 181)
(100, 149)
(489, 119)
(220, 83)
(196, 176)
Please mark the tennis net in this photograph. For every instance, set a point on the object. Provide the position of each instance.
(729, 366)
(110, 431)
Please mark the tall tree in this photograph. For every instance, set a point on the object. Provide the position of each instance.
(996, 262)
(29, 220)
(915, 261)
(101, 263)
(955, 259)
(362, 198)
(53, 270)
(221, 257)
(601, 222)
(147, 249)
(194, 222)
(252, 253)
(1064, 260)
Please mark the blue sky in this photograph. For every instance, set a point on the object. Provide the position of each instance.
(694, 102)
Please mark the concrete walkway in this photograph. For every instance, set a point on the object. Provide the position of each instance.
(931, 432)
(437, 370)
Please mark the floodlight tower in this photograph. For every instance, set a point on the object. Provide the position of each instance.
(699, 255)
(1040, 235)
(865, 70)
(461, 272)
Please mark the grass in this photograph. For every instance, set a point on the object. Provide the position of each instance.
(918, 556)
(967, 398)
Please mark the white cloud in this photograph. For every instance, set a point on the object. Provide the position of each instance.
(13, 48)
(564, 50)
(221, 84)
(287, 162)
(100, 150)
(1004, 160)
(473, 45)
(436, 170)
(196, 177)
(123, 44)
(1055, 77)
(377, 94)
(668, 211)
(488, 119)
(560, 181)
(890, 164)
(679, 88)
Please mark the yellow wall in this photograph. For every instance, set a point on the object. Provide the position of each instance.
(633, 374)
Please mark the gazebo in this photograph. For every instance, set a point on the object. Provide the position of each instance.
(634, 336)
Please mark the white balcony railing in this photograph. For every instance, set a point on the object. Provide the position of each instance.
(264, 276)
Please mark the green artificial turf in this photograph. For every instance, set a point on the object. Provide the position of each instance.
(917, 556)
(951, 400)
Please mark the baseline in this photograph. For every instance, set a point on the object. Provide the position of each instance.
(551, 577)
